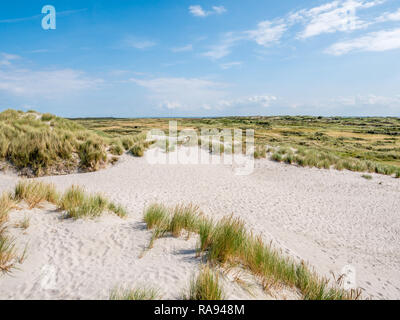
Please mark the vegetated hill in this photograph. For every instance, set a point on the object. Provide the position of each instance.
(42, 144)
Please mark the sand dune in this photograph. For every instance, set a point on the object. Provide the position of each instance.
(329, 218)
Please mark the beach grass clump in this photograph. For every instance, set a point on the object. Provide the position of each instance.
(8, 254)
(78, 204)
(6, 204)
(35, 192)
(326, 160)
(24, 223)
(72, 198)
(118, 209)
(163, 220)
(138, 150)
(38, 145)
(228, 244)
(226, 241)
(122, 293)
(205, 286)
(116, 147)
(93, 154)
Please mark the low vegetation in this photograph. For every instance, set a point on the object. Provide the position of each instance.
(358, 144)
(325, 160)
(205, 286)
(366, 176)
(134, 294)
(35, 192)
(41, 144)
(74, 201)
(227, 243)
(9, 255)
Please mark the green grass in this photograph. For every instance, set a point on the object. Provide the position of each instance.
(134, 294)
(367, 176)
(376, 140)
(119, 210)
(35, 192)
(77, 204)
(9, 256)
(227, 243)
(6, 204)
(205, 286)
(74, 201)
(39, 145)
(326, 160)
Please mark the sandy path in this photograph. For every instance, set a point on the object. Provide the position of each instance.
(328, 218)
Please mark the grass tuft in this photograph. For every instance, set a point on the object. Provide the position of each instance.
(227, 243)
(205, 287)
(134, 294)
(367, 176)
(35, 192)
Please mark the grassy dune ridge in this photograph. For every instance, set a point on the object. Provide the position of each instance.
(227, 243)
(40, 144)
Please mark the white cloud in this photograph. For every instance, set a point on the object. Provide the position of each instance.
(267, 32)
(182, 93)
(198, 11)
(374, 41)
(50, 84)
(332, 17)
(6, 58)
(187, 48)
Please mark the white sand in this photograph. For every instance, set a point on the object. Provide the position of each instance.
(326, 217)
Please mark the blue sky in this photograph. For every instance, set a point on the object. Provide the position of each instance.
(202, 58)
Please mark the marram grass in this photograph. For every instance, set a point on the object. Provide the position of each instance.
(123, 293)
(205, 286)
(227, 243)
